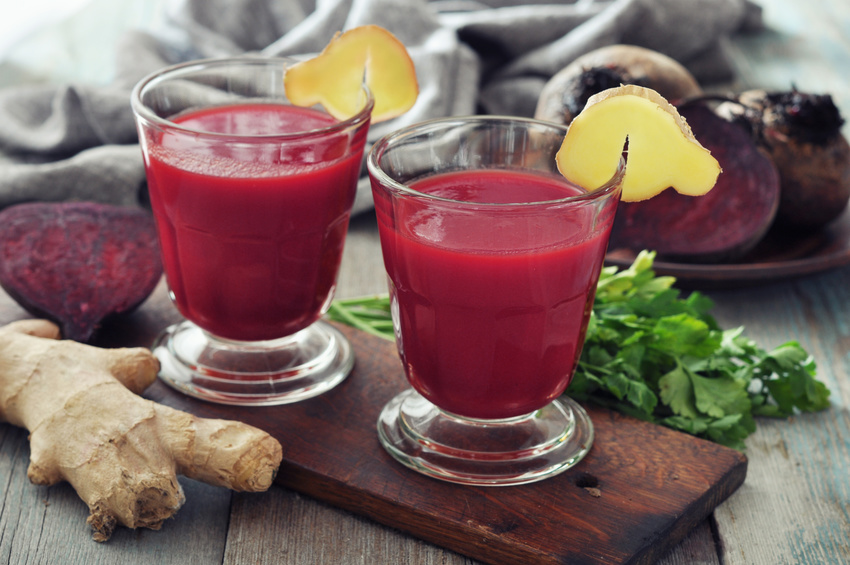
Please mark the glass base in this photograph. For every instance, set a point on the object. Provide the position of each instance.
(512, 451)
(264, 373)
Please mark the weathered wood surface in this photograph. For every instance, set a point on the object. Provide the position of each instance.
(790, 505)
(655, 484)
(795, 504)
(794, 507)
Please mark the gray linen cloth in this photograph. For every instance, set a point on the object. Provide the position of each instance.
(78, 142)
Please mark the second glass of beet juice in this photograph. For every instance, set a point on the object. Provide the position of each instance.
(251, 197)
(492, 259)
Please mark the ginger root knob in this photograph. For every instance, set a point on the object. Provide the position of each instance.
(122, 453)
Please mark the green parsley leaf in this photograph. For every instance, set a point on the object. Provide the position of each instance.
(655, 355)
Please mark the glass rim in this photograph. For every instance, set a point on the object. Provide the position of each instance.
(455, 121)
(143, 112)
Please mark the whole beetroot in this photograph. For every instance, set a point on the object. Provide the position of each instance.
(566, 93)
(801, 132)
(78, 263)
(719, 226)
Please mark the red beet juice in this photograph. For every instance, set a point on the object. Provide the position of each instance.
(492, 301)
(252, 229)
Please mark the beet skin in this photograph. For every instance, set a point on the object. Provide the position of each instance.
(77, 263)
(721, 225)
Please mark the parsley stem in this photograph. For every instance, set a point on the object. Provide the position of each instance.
(659, 357)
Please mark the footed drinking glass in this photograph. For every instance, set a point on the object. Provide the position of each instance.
(251, 197)
(492, 260)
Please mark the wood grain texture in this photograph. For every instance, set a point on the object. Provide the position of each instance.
(769, 519)
(262, 525)
(794, 507)
(283, 526)
(656, 484)
(47, 525)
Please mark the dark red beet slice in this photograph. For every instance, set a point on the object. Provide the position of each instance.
(78, 263)
(719, 226)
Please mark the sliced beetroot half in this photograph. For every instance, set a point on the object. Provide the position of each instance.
(78, 263)
(719, 226)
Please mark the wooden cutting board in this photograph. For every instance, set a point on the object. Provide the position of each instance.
(638, 493)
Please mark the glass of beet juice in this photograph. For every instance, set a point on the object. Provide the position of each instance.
(492, 259)
(251, 197)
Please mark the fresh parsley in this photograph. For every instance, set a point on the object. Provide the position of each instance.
(659, 356)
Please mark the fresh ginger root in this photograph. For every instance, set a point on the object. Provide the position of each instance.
(121, 452)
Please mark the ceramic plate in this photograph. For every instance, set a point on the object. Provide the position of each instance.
(777, 256)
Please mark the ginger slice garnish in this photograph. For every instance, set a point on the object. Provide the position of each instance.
(662, 150)
(335, 77)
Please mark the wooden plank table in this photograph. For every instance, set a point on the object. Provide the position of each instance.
(793, 508)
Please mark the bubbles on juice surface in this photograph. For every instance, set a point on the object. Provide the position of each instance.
(248, 160)
(495, 211)
(250, 141)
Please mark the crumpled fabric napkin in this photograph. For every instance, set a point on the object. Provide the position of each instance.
(78, 142)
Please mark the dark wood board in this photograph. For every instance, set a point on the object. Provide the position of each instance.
(638, 493)
(654, 484)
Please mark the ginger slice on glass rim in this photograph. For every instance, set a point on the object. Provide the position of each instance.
(662, 150)
(335, 77)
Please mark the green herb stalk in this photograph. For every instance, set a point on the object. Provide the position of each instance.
(661, 357)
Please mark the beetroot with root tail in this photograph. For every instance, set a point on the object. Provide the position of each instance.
(719, 226)
(802, 134)
(78, 263)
